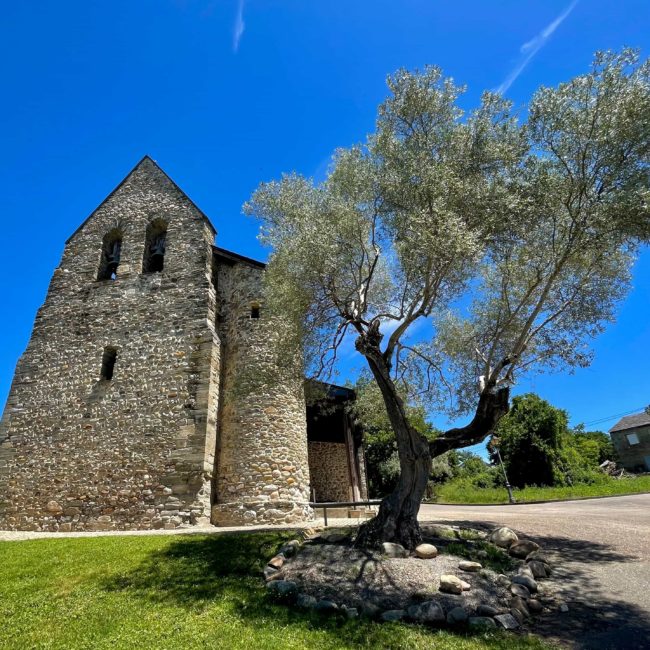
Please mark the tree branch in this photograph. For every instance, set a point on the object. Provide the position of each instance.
(492, 406)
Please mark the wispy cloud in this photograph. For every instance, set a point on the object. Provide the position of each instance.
(239, 26)
(529, 49)
(320, 174)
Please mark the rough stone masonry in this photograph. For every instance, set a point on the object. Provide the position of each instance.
(138, 402)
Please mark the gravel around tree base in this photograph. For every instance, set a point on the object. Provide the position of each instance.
(355, 578)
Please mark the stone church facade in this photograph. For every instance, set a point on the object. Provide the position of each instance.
(138, 401)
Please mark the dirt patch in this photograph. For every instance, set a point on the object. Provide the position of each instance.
(330, 568)
(346, 575)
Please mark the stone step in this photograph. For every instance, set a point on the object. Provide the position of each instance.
(356, 513)
(345, 513)
(334, 513)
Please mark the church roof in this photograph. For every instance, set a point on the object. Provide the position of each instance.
(144, 160)
(232, 258)
(631, 422)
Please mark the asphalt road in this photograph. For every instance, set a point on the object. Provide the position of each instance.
(601, 548)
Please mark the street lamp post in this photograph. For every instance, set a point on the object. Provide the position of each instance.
(511, 498)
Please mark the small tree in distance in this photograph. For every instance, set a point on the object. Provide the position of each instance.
(538, 447)
(514, 240)
(530, 439)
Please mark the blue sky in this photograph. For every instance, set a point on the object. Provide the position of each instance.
(227, 93)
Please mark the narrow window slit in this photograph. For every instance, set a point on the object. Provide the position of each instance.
(108, 363)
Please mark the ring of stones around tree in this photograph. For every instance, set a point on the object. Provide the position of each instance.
(467, 578)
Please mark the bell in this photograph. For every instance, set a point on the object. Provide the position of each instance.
(113, 254)
(156, 254)
(158, 247)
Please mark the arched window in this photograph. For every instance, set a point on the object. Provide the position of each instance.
(110, 260)
(255, 310)
(154, 247)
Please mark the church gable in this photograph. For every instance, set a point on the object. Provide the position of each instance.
(153, 183)
(143, 216)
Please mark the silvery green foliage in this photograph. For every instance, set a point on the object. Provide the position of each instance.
(552, 281)
(513, 240)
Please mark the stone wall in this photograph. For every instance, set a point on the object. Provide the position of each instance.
(633, 457)
(262, 471)
(82, 453)
(329, 471)
(201, 419)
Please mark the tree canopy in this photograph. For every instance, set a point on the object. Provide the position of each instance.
(513, 238)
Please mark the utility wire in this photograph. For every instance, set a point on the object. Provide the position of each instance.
(616, 415)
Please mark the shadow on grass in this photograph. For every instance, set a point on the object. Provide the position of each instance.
(198, 573)
(195, 569)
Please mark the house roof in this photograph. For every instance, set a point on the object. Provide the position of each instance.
(631, 422)
(145, 160)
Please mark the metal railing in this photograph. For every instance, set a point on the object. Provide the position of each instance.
(342, 504)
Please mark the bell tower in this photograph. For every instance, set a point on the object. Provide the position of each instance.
(111, 418)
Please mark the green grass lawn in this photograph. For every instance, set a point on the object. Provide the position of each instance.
(463, 492)
(179, 592)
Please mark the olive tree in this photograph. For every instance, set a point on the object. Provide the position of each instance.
(512, 238)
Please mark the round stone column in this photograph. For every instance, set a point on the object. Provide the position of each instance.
(262, 473)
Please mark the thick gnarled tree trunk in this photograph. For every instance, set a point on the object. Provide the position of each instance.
(397, 520)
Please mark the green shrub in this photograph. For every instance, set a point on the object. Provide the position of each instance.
(538, 448)
(530, 439)
(463, 491)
